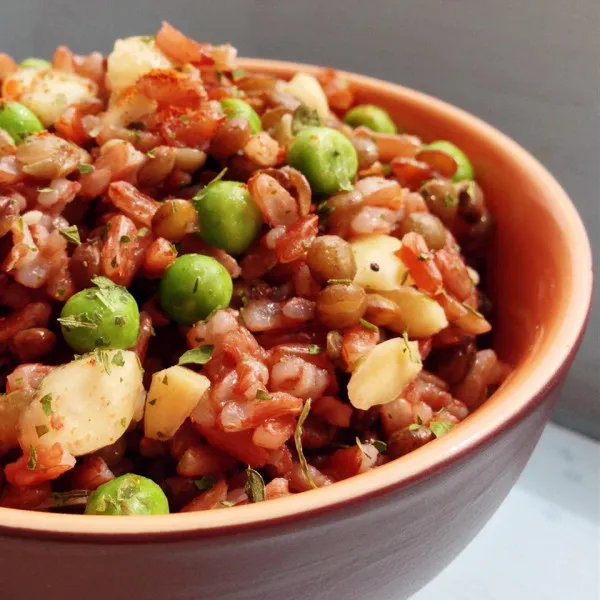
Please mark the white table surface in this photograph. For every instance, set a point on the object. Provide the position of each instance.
(544, 541)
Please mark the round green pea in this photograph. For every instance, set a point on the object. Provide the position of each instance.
(128, 494)
(371, 116)
(228, 217)
(465, 168)
(193, 287)
(17, 120)
(35, 63)
(236, 108)
(103, 316)
(326, 157)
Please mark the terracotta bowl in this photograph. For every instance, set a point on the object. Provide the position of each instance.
(384, 534)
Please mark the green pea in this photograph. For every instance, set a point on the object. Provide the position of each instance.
(228, 217)
(103, 316)
(35, 63)
(326, 157)
(371, 116)
(128, 495)
(17, 120)
(193, 287)
(465, 168)
(233, 107)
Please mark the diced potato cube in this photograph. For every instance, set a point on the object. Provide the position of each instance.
(173, 395)
(384, 373)
(131, 58)
(309, 91)
(378, 267)
(420, 315)
(84, 405)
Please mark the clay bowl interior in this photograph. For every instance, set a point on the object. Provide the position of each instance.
(541, 273)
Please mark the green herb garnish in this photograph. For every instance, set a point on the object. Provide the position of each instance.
(118, 359)
(85, 169)
(255, 486)
(33, 458)
(298, 443)
(380, 445)
(46, 402)
(41, 430)
(314, 349)
(197, 356)
(206, 482)
(408, 348)
(367, 325)
(262, 395)
(440, 428)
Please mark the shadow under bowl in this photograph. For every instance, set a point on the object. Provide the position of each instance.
(384, 534)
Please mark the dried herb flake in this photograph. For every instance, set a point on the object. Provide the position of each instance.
(255, 486)
(298, 443)
(197, 356)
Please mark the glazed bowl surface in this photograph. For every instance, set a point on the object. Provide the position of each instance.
(385, 533)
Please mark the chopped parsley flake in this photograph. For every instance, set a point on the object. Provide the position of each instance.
(314, 349)
(262, 395)
(367, 325)
(85, 169)
(118, 359)
(71, 234)
(206, 482)
(33, 458)
(408, 348)
(380, 446)
(197, 356)
(46, 402)
(440, 428)
(41, 430)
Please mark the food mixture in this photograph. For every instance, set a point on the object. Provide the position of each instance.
(219, 287)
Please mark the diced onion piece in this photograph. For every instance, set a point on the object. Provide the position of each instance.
(131, 58)
(420, 315)
(83, 405)
(384, 373)
(309, 91)
(48, 93)
(173, 395)
(378, 267)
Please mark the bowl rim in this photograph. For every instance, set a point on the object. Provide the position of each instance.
(414, 467)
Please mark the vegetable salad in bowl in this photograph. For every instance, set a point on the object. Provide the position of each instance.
(219, 287)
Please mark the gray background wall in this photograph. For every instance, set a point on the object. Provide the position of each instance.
(530, 67)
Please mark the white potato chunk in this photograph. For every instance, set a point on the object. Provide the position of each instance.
(131, 58)
(384, 373)
(379, 250)
(309, 91)
(48, 93)
(420, 315)
(17, 82)
(84, 405)
(12, 406)
(173, 395)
